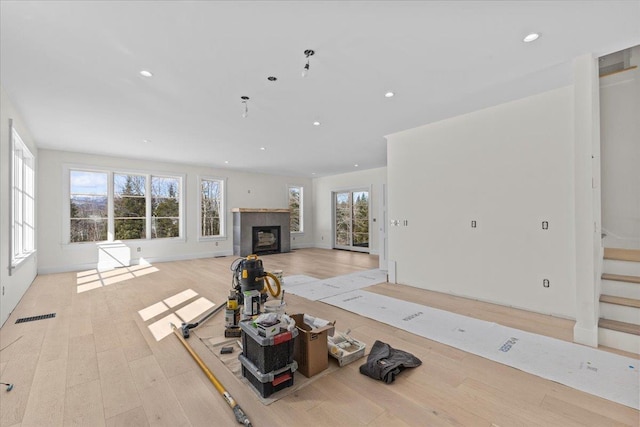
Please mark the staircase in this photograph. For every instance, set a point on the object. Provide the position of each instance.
(619, 324)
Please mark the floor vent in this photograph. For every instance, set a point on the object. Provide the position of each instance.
(31, 319)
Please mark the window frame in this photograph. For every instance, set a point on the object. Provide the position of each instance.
(146, 197)
(68, 205)
(21, 211)
(150, 208)
(66, 194)
(223, 209)
(301, 208)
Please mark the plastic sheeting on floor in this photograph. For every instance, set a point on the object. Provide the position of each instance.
(607, 375)
(317, 289)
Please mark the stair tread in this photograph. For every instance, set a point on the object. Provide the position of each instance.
(616, 325)
(622, 254)
(629, 302)
(620, 278)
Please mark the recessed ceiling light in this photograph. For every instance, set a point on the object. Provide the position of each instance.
(356, 165)
(145, 141)
(389, 94)
(531, 37)
(226, 161)
(146, 73)
(263, 148)
(316, 123)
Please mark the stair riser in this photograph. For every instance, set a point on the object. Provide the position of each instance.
(625, 268)
(621, 289)
(620, 313)
(619, 340)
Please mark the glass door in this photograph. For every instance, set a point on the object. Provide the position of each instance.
(351, 220)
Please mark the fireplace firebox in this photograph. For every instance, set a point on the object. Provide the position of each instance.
(244, 219)
(265, 239)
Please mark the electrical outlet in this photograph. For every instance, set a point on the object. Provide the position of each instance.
(473, 224)
(545, 283)
(545, 225)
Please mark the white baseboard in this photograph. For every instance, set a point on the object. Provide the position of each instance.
(322, 246)
(184, 257)
(302, 246)
(586, 336)
(135, 261)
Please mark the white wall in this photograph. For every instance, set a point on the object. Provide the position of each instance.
(372, 179)
(587, 245)
(243, 190)
(508, 167)
(620, 118)
(12, 287)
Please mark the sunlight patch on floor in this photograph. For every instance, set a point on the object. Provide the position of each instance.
(180, 298)
(195, 309)
(153, 310)
(161, 328)
(94, 279)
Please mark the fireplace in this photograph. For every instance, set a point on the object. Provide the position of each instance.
(245, 220)
(265, 239)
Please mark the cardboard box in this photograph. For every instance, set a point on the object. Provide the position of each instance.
(310, 348)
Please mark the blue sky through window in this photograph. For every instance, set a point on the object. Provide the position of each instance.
(83, 182)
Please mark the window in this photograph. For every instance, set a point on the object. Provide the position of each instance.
(108, 205)
(165, 207)
(211, 207)
(295, 208)
(88, 206)
(129, 206)
(22, 199)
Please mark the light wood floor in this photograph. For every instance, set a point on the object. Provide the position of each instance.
(97, 364)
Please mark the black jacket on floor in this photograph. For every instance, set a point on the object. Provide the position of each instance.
(385, 362)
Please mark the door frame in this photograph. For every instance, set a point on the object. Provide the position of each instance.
(333, 218)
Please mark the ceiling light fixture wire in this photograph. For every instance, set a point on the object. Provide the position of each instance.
(245, 107)
(307, 54)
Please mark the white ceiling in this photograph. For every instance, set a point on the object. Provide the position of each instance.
(72, 70)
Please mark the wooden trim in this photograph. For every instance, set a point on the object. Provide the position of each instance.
(620, 278)
(622, 254)
(627, 302)
(633, 67)
(615, 325)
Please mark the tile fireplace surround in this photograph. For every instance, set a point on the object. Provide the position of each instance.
(244, 219)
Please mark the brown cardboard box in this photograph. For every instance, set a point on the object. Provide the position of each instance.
(310, 348)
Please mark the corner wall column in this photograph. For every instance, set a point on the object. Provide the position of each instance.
(588, 251)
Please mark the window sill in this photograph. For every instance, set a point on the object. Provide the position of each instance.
(212, 239)
(130, 242)
(18, 262)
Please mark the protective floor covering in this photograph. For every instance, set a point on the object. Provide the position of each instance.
(604, 374)
(317, 289)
